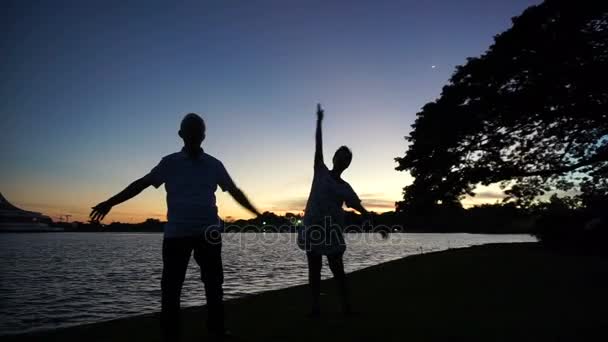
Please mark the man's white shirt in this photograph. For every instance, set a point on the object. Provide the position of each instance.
(191, 183)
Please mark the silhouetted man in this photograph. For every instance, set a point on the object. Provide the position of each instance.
(191, 177)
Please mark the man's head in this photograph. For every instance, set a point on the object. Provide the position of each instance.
(192, 130)
(342, 158)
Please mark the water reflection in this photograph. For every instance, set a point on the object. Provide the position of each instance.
(52, 280)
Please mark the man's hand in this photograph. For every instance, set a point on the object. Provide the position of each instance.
(100, 211)
(241, 199)
(320, 112)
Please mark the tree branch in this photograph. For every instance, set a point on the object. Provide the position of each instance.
(601, 156)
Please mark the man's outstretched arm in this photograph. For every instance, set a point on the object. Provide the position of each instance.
(241, 199)
(102, 209)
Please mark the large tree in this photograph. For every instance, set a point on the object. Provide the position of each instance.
(530, 114)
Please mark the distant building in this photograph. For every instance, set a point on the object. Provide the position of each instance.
(13, 219)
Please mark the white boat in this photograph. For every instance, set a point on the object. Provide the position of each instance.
(13, 219)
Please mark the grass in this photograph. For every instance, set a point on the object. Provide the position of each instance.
(501, 292)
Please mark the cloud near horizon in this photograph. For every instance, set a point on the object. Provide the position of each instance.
(372, 202)
(490, 195)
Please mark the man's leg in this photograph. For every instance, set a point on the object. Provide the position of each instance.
(176, 254)
(208, 255)
(336, 264)
(314, 280)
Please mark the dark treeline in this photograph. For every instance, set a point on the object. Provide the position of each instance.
(489, 218)
(573, 221)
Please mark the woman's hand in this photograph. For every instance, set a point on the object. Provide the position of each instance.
(320, 112)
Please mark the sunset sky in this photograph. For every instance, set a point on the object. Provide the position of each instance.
(92, 95)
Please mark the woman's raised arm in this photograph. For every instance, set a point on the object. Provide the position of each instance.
(319, 138)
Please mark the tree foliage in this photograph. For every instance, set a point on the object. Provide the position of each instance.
(530, 114)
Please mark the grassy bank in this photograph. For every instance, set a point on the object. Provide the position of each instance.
(485, 293)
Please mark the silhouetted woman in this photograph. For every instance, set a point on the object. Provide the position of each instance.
(324, 219)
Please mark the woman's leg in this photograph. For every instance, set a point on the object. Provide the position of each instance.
(336, 264)
(314, 279)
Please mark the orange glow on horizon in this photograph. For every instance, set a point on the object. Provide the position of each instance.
(135, 213)
(378, 196)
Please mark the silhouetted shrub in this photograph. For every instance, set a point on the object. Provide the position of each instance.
(583, 230)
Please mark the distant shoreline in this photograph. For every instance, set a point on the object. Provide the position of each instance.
(257, 232)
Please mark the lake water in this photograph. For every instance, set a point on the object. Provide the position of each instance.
(50, 280)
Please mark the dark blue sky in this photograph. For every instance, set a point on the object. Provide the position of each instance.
(92, 92)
